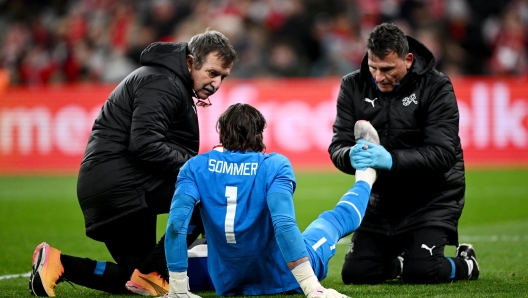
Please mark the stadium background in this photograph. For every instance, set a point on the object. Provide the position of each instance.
(60, 60)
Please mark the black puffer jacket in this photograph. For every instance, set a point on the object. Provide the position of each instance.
(418, 124)
(146, 130)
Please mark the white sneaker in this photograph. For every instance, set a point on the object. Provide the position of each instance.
(363, 130)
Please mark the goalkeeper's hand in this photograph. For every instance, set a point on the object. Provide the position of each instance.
(321, 292)
(174, 295)
(310, 285)
(179, 286)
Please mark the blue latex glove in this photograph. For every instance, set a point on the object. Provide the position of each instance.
(374, 156)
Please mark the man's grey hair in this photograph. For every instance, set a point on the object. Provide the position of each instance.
(203, 44)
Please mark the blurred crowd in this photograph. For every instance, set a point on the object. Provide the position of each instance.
(60, 41)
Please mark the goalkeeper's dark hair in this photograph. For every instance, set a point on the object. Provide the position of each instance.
(241, 127)
(386, 38)
(210, 41)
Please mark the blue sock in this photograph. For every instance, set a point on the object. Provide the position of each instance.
(99, 268)
(350, 210)
(453, 268)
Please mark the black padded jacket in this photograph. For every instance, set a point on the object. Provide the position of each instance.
(418, 123)
(146, 130)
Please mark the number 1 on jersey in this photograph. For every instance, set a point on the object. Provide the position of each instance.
(231, 196)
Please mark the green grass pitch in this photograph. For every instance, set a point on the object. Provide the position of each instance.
(495, 221)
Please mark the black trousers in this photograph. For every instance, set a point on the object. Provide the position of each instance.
(373, 258)
(133, 244)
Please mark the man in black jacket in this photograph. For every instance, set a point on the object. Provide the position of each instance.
(145, 132)
(418, 198)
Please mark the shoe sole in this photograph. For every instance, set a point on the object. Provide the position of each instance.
(41, 269)
(144, 285)
(363, 130)
(137, 289)
(39, 261)
(475, 276)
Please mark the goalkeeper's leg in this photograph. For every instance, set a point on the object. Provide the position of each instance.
(323, 233)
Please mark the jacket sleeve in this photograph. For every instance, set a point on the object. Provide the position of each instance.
(156, 104)
(440, 134)
(343, 128)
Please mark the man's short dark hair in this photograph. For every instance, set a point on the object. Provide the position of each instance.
(241, 127)
(386, 38)
(202, 44)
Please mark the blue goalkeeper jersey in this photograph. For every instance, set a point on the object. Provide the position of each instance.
(243, 255)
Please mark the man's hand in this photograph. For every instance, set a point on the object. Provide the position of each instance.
(321, 292)
(368, 155)
(179, 286)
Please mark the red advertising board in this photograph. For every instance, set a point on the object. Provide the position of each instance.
(44, 129)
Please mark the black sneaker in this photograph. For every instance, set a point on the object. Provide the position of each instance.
(467, 252)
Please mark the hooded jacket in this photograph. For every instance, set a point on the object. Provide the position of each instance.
(146, 130)
(418, 123)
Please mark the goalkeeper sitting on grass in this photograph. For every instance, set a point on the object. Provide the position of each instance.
(246, 200)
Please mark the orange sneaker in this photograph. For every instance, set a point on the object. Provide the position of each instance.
(151, 284)
(46, 272)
